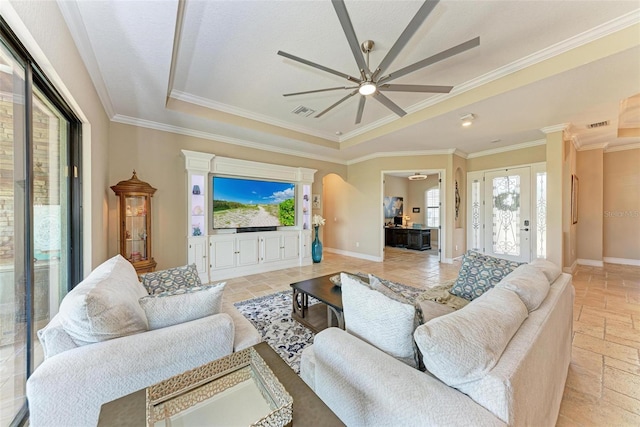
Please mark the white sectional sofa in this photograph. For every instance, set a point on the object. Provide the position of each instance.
(500, 360)
(100, 346)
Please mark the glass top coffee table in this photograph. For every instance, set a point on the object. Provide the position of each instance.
(318, 316)
(308, 409)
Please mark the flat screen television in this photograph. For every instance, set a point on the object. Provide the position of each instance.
(251, 204)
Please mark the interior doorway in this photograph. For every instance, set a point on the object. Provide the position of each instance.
(410, 189)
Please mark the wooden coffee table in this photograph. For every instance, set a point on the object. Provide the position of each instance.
(308, 409)
(318, 316)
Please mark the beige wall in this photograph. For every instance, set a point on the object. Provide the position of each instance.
(523, 156)
(555, 164)
(54, 50)
(569, 230)
(157, 159)
(621, 205)
(589, 170)
(417, 191)
(366, 192)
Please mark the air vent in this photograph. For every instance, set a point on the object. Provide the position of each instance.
(303, 111)
(598, 124)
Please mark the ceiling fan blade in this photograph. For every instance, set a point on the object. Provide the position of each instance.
(363, 99)
(347, 27)
(318, 66)
(432, 59)
(408, 32)
(415, 88)
(319, 90)
(337, 103)
(390, 104)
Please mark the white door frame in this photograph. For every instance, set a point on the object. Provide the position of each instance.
(479, 176)
(443, 208)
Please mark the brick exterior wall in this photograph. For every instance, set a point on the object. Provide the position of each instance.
(46, 175)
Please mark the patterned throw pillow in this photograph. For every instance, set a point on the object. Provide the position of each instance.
(479, 273)
(171, 279)
(182, 305)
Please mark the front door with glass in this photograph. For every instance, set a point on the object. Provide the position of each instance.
(508, 214)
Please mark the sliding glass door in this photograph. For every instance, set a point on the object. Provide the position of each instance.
(13, 195)
(39, 216)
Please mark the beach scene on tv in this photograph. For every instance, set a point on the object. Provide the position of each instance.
(239, 203)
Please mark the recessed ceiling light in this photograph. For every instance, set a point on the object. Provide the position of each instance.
(467, 119)
(338, 133)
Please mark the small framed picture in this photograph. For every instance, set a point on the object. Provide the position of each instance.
(416, 210)
(315, 201)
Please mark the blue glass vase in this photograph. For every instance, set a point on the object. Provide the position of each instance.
(316, 246)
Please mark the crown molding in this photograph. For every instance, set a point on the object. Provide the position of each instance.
(72, 16)
(555, 128)
(634, 146)
(599, 146)
(507, 148)
(127, 120)
(380, 154)
(229, 109)
(460, 153)
(576, 41)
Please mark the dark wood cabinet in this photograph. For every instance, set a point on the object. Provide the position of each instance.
(419, 239)
(410, 238)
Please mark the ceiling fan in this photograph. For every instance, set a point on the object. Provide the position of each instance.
(373, 83)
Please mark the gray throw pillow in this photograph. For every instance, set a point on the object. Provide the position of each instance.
(171, 279)
(182, 305)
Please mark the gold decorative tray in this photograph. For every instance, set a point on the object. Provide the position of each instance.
(239, 389)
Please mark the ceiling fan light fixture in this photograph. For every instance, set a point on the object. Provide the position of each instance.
(467, 119)
(417, 177)
(367, 88)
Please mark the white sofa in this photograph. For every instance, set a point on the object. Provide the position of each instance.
(77, 376)
(365, 386)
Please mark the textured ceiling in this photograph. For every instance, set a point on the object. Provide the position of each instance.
(210, 68)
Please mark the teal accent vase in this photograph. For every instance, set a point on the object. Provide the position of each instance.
(316, 246)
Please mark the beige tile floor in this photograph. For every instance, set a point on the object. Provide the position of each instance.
(603, 384)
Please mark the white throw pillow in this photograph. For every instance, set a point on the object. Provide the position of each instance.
(379, 320)
(529, 283)
(183, 305)
(105, 304)
(463, 346)
(550, 270)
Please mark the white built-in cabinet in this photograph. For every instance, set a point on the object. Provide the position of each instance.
(223, 254)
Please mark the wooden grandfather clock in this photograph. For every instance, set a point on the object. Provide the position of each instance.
(134, 209)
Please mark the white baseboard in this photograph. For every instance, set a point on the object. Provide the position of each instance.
(447, 260)
(591, 262)
(354, 254)
(572, 268)
(622, 261)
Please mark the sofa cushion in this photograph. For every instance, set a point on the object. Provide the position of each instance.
(182, 305)
(383, 322)
(479, 273)
(549, 269)
(529, 283)
(464, 345)
(54, 339)
(171, 279)
(105, 304)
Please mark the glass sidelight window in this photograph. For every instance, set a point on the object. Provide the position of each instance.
(39, 216)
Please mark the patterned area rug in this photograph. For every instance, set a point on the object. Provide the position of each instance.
(271, 315)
